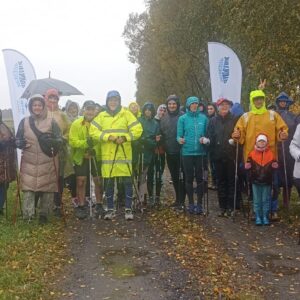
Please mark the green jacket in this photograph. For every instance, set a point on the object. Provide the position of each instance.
(78, 135)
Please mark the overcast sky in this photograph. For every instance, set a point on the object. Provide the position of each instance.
(78, 41)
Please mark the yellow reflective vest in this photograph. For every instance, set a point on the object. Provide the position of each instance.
(116, 161)
(78, 135)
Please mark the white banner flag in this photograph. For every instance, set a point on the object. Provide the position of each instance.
(225, 73)
(20, 72)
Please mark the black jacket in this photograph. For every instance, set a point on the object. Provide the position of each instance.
(219, 132)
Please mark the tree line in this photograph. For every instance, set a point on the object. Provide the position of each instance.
(168, 43)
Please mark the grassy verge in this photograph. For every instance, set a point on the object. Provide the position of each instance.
(30, 256)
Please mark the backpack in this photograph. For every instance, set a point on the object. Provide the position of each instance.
(49, 144)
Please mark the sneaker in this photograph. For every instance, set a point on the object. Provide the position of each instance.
(110, 214)
(80, 212)
(180, 208)
(43, 220)
(99, 211)
(198, 210)
(191, 209)
(128, 214)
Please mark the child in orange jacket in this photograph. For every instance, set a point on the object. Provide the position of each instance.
(261, 163)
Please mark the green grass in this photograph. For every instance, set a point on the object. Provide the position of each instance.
(30, 256)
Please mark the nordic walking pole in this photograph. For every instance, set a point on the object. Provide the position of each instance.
(108, 181)
(285, 175)
(58, 188)
(235, 180)
(90, 188)
(130, 172)
(205, 186)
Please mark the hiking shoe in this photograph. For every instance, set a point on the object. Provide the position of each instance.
(191, 209)
(43, 220)
(128, 214)
(110, 214)
(198, 210)
(99, 211)
(80, 212)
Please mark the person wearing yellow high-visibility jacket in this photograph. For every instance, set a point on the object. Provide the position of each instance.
(115, 129)
(85, 157)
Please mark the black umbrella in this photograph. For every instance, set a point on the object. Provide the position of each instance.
(40, 86)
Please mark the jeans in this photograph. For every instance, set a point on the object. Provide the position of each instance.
(261, 199)
(109, 191)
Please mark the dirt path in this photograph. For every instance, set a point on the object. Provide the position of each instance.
(124, 260)
(119, 260)
(272, 251)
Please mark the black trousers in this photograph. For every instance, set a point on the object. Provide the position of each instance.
(175, 166)
(195, 166)
(225, 171)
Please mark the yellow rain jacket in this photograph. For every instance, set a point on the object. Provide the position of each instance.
(121, 124)
(139, 109)
(257, 121)
(78, 134)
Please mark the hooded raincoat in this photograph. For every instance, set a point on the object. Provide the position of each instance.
(192, 126)
(257, 121)
(78, 135)
(147, 142)
(123, 123)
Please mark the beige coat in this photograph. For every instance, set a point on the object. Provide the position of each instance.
(37, 172)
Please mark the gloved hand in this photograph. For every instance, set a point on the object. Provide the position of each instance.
(21, 143)
(120, 140)
(205, 141)
(90, 152)
(231, 142)
(247, 165)
(90, 142)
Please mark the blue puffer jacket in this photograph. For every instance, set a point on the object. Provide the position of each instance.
(192, 126)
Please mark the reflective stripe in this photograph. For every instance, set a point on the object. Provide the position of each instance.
(131, 135)
(115, 130)
(133, 124)
(102, 135)
(117, 161)
(96, 125)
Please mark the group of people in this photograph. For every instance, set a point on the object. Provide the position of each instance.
(127, 148)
